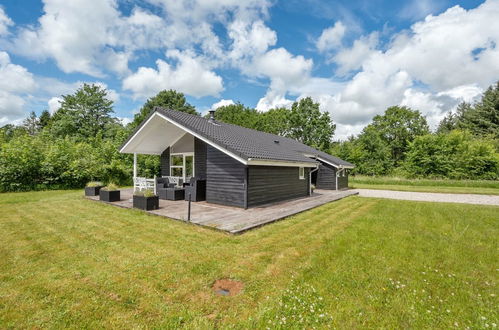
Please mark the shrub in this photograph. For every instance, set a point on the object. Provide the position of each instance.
(94, 184)
(145, 193)
(111, 187)
(456, 155)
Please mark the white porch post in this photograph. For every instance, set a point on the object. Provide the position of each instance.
(134, 169)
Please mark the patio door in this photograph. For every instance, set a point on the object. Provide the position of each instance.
(182, 165)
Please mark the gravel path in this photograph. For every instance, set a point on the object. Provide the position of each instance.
(431, 197)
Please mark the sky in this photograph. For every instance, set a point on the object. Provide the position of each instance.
(355, 58)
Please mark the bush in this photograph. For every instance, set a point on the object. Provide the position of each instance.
(111, 187)
(94, 184)
(145, 193)
(455, 155)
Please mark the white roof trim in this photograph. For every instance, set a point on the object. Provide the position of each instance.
(156, 114)
(271, 162)
(335, 165)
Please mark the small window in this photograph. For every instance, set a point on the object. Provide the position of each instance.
(301, 173)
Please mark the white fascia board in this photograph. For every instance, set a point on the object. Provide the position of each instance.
(133, 137)
(264, 162)
(328, 162)
(225, 151)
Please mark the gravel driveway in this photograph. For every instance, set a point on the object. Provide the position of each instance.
(431, 197)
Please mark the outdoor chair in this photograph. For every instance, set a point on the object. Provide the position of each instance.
(197, 190)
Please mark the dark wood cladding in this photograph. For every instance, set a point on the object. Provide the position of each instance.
(267, 184)
(225, 179)
(165, 162)
(343, 181)
(326, 177)
(199, 158)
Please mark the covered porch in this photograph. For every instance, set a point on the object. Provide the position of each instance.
(176, 149)
(234, 220)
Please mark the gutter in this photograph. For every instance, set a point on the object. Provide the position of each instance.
(310, 180)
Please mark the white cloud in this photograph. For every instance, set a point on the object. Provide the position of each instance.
(16, 82)
(466, 93)
(349, 59)
(439, 62)
(331, 37)
(189, 76)
(5, 22)
(222, 103)
(125, 120)
(54, 104)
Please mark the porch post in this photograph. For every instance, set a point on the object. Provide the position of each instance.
(134, 169)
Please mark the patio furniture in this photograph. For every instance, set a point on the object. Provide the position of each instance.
(197, 190)
(172, 194)
(109, 195)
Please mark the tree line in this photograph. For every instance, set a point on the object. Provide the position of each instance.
(80, 141)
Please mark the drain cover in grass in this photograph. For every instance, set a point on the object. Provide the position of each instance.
(227, 287)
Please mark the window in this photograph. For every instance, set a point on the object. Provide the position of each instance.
(301, 173)
(182, 165)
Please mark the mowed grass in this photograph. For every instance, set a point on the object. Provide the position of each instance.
(482, 187)
(67, 262)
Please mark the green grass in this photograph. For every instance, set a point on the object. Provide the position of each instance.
(67, 262)
(481, 187)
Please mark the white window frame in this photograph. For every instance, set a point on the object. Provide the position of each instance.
(301, 173)
(183, 154)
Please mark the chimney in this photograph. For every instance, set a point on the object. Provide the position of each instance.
(212, 116)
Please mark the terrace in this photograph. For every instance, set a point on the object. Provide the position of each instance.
(234, 220)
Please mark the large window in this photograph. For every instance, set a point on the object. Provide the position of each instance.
(182, 165)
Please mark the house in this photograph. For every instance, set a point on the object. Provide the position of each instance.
(241, 167)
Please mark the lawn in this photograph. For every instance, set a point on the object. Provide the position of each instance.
(67, 262)
(482, 187)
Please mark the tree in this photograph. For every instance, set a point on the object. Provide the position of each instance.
(399, 126)
(455, 155)
(309, 125)
(44, 119)
(238, 114)
(455, 120)
(483, 119)
(275, 121)
(32, 123)
(84, 114)
(168, 99)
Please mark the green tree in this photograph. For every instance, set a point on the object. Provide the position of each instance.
(44, 119)
(399, 126)
(238, 114)
(275, 121)
(483, 119)
(309, 125)
(455, 155)
(84, 114)
(32, 123)
(168, 99)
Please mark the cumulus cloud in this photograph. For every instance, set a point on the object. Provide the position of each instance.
(5, 22)
(16, 82)
(437, 63)
(222, 103)
(331, 37)
(188, 76)
(54, 104)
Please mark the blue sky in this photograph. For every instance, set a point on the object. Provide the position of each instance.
(353, 57)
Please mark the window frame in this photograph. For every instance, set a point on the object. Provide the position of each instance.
(301, 173)
(183, 166)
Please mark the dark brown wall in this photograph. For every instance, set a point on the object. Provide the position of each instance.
(268, 184)
(326, 177)
(199, 158)
(165, 162)
(343, 182)
(225, 179)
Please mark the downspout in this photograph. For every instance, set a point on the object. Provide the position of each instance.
(134, 169)
(310, 180)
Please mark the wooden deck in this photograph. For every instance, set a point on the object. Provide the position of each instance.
(231, 219)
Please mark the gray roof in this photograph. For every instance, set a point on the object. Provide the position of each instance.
(248, 143)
